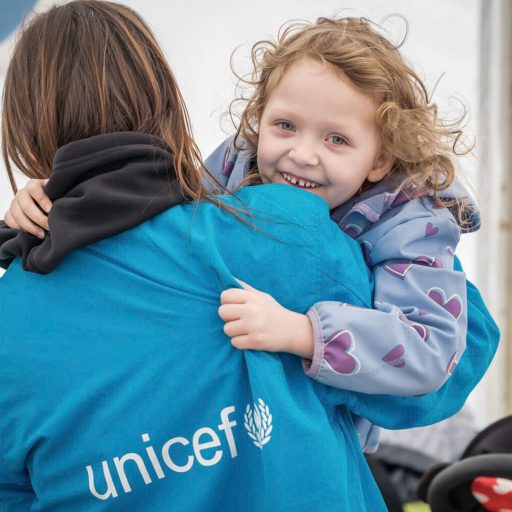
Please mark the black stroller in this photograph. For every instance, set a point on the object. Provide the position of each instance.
(446, 487)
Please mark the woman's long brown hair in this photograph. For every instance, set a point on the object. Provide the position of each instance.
(88, 68)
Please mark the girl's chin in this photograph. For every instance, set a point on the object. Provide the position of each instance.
(267, 181)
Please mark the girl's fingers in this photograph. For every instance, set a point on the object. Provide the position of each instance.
(230, 312)
(233, 329)
(32, 211)
(233, 296)
(240, 342)
(9, 220)
(35, 190)
(24, 223)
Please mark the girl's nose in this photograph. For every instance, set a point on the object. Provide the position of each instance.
(304, 156)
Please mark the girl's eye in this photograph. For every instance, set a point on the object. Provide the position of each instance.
(337, 140)
(287, 126)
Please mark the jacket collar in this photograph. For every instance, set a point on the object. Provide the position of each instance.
(382, 197)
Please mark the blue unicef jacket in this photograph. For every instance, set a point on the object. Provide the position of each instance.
(120, 392)
(412, 338)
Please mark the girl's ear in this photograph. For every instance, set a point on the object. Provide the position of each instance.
(382, 165)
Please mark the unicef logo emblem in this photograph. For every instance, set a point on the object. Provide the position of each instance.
(258, 423)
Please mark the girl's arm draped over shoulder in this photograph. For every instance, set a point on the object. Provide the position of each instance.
(406, 412)
(395, 412)
(412, 339)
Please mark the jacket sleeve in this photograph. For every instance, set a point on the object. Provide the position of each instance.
(411, 341)
(394, 412)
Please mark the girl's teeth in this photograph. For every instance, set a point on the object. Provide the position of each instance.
(299, 181)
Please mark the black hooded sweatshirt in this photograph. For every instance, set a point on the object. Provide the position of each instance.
(99, 187)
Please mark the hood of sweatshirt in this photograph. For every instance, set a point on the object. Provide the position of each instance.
(100, 186)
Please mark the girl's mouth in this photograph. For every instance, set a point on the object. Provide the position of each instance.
(298, 182)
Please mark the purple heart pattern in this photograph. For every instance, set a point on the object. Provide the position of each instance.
(338, 353)
(452, 304)
(408, 194)
(430, 230)
(352, 230)
(429, 261)
(398, 269)
(395, 357)
(228, 168)
(401, 198)
(452, 364)
(421, 329)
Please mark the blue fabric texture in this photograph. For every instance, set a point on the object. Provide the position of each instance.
(119, 390)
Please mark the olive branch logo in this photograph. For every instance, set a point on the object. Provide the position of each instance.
(258, 423)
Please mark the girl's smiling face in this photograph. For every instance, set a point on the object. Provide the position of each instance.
(318, 132)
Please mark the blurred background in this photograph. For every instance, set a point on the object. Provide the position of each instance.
(462, 49)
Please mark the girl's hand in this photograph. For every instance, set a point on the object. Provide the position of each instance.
(255, 321)
(26, 210)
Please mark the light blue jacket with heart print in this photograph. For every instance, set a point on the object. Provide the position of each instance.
(412, 339)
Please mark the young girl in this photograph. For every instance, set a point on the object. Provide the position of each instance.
(338, 113)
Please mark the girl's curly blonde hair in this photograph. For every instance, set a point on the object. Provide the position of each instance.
(423, 145)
